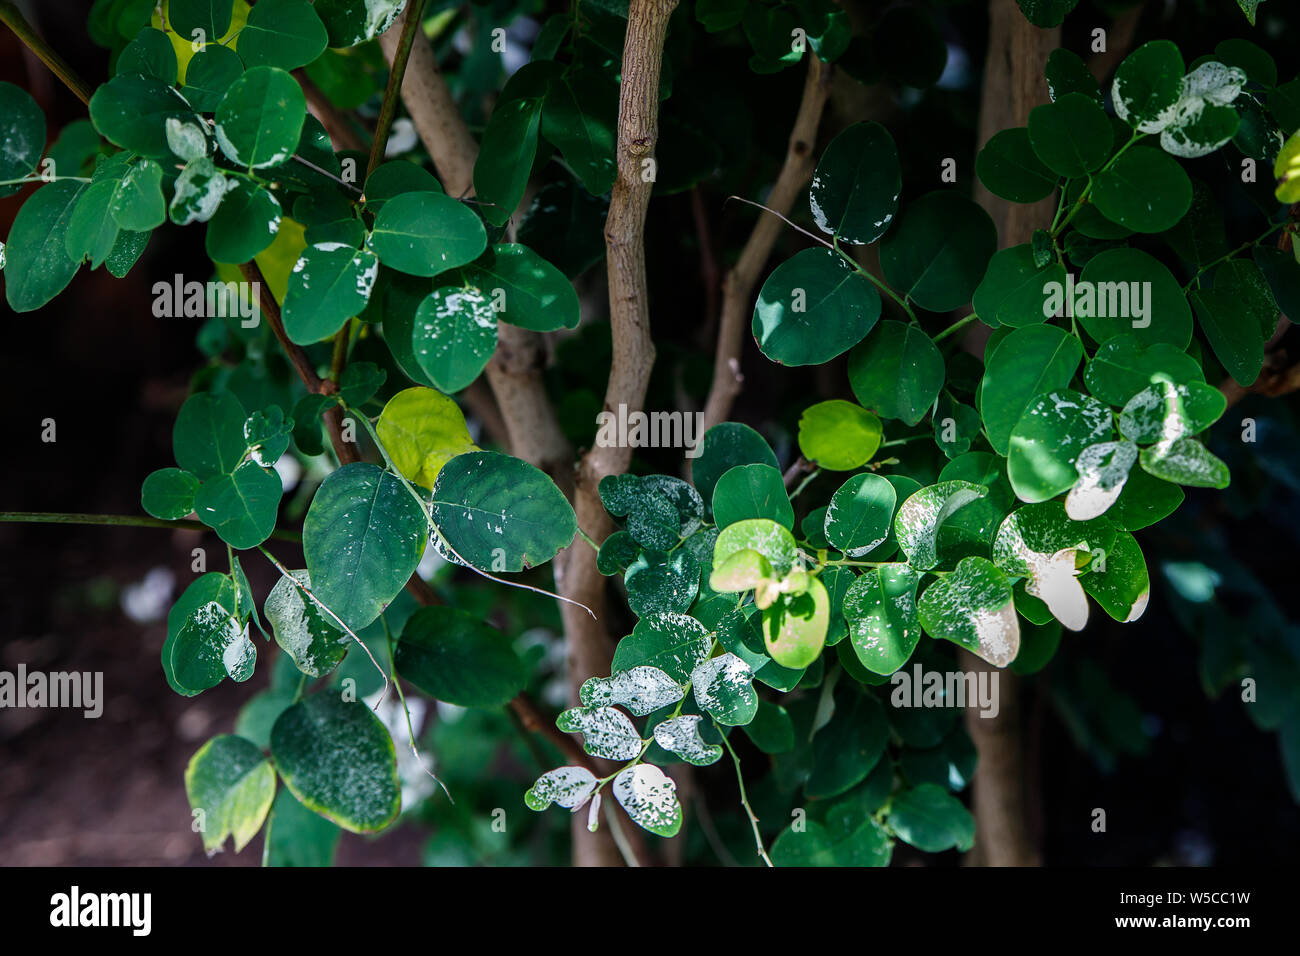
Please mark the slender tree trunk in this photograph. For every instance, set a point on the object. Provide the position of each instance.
(1013, 85)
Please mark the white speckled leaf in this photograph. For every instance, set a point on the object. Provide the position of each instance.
(723, 686)
(918, 520)
(316, 644)
(973, 607)
(640, 689)
(606, 732)
(650, 799)
(1185, 461)
(199, 189)
(681, 736)
(1103, 471)
(570, 787)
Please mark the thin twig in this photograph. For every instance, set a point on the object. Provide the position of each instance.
(410, 27)
(12, 17)
(128, 521)
(744, 800)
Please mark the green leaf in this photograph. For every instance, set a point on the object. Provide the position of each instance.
(501, 513)
(1234, 314)
(724, 446)
(1067, 73)
(244, 225)
(931, 819)
(880, 608)
(855, 189)
(338, 760)
(671, 643)
(794, 628)
(422, 429)
(452, 655)
(306, 633)
(393, 178)
(362, 539)
(212, 587)
(973, 607)
(22, 136)
(455, 335)
(922, 515)
(91, 230)
(211, 72)
(838, 435)
(210, 645)
(1143, 190)
(1124, 366)
(1185, 461)
(650, 799)
(137, 202)
(848, 748)
(260, 119)
(350, 22)
(898, 372)
(210, 18)
(741, 571)
(297, 837)
(861, 841)
(1145, 500)
(606, 731)
(1012, 291)
(1009, 168)
(1148, 85)
(283, 33)
(150, 53)
(751, 491)
(233, 785)
(681, 736)
(425, 233)
(39, 267)
(168, 493)
(1072, 136)
(241, 506)
(505, 159)
(770, 539)
(208, 437)
(813, 307)
(940, 250)
(1204, 119)
(330, 283)
(1127, 292)
(859, 516)
(131, 111)
(1122, 587)
(1047, 441)
(524, 289)
(579, 115)
(1028, 362)
(723, 687)
(570, 787)
(771, 730)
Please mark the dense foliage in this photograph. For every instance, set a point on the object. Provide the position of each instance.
(983, 496)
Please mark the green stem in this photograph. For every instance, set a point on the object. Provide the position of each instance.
(414, 19)
(23, 181)
(955, 327)
(11, 17)
(587, 538)
(1087, 190)
(804, 484)
(744, 799)
(1241, 248)
(878, 283)
(128, 521)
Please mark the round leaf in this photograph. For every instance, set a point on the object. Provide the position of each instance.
(813, 307)
(855, 189)
(452, 655)
(838, 435)
(898, 372)
(425, 233)
(940, 251)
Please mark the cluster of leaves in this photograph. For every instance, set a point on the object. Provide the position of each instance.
(1048, 463)
(998, 518)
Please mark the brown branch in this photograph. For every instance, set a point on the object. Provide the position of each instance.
(590, 647)
(534, 721)
(434, 113)
(341, 132)
(12, 17)
(1119, 40)
(1013, 86)
(410, 26)
(740, 281)
(533, 432)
